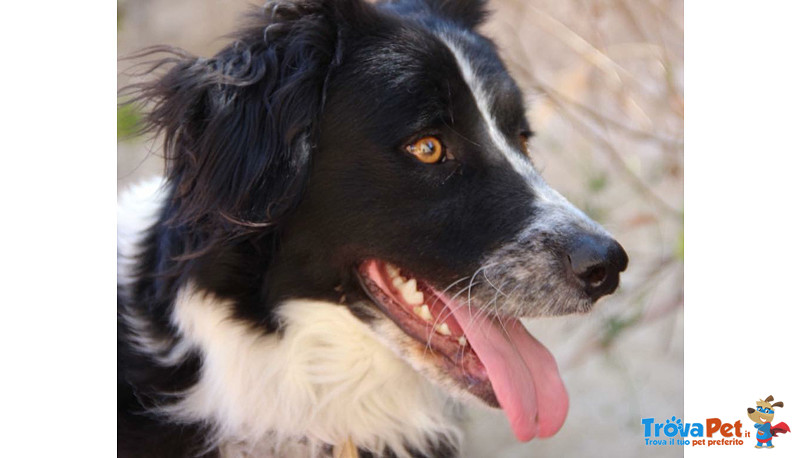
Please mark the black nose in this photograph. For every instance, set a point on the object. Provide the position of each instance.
(596, 261)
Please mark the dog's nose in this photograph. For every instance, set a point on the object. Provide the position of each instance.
(596, 261)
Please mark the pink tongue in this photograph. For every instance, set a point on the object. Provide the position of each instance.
(524, 375)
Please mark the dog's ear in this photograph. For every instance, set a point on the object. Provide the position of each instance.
(778, 404)
(468, 13)
(769, 399)
(239, 128)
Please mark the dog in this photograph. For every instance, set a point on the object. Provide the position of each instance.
(762, 415)
(348, 232)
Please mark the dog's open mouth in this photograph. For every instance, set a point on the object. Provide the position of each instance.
(492, 357)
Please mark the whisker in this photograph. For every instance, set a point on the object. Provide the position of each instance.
(436, 319)
(482, 316)
(430, 333)
(492, 284)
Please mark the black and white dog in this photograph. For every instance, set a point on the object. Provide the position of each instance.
(348, 233)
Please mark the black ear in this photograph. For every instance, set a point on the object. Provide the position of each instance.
(468, 13)
(239, 128)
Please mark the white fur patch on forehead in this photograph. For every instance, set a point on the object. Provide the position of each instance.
(555, 206)
(484, 103)
(323, 378)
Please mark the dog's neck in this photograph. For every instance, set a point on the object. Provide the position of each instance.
(323, 380)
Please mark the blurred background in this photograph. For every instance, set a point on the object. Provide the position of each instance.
(604, 82)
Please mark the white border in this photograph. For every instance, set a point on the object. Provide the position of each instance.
(58, 192)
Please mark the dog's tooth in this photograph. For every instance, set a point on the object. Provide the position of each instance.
(415, 298)
(392, 270)
(424, 312)
(462, 341)
(410, 293)
(398, 282)
(443, 329)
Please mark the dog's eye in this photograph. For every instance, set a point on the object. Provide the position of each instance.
(428, 150)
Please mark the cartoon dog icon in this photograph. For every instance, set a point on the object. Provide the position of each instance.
(763, 415)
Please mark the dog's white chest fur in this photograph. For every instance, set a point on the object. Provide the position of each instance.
(324, 379)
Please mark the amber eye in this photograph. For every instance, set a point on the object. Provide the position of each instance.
(427, 149)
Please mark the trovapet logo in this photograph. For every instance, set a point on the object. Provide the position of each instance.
(674, 432)
(715, 432)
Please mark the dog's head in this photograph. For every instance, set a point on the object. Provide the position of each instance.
(376, 155)
(764, 411)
